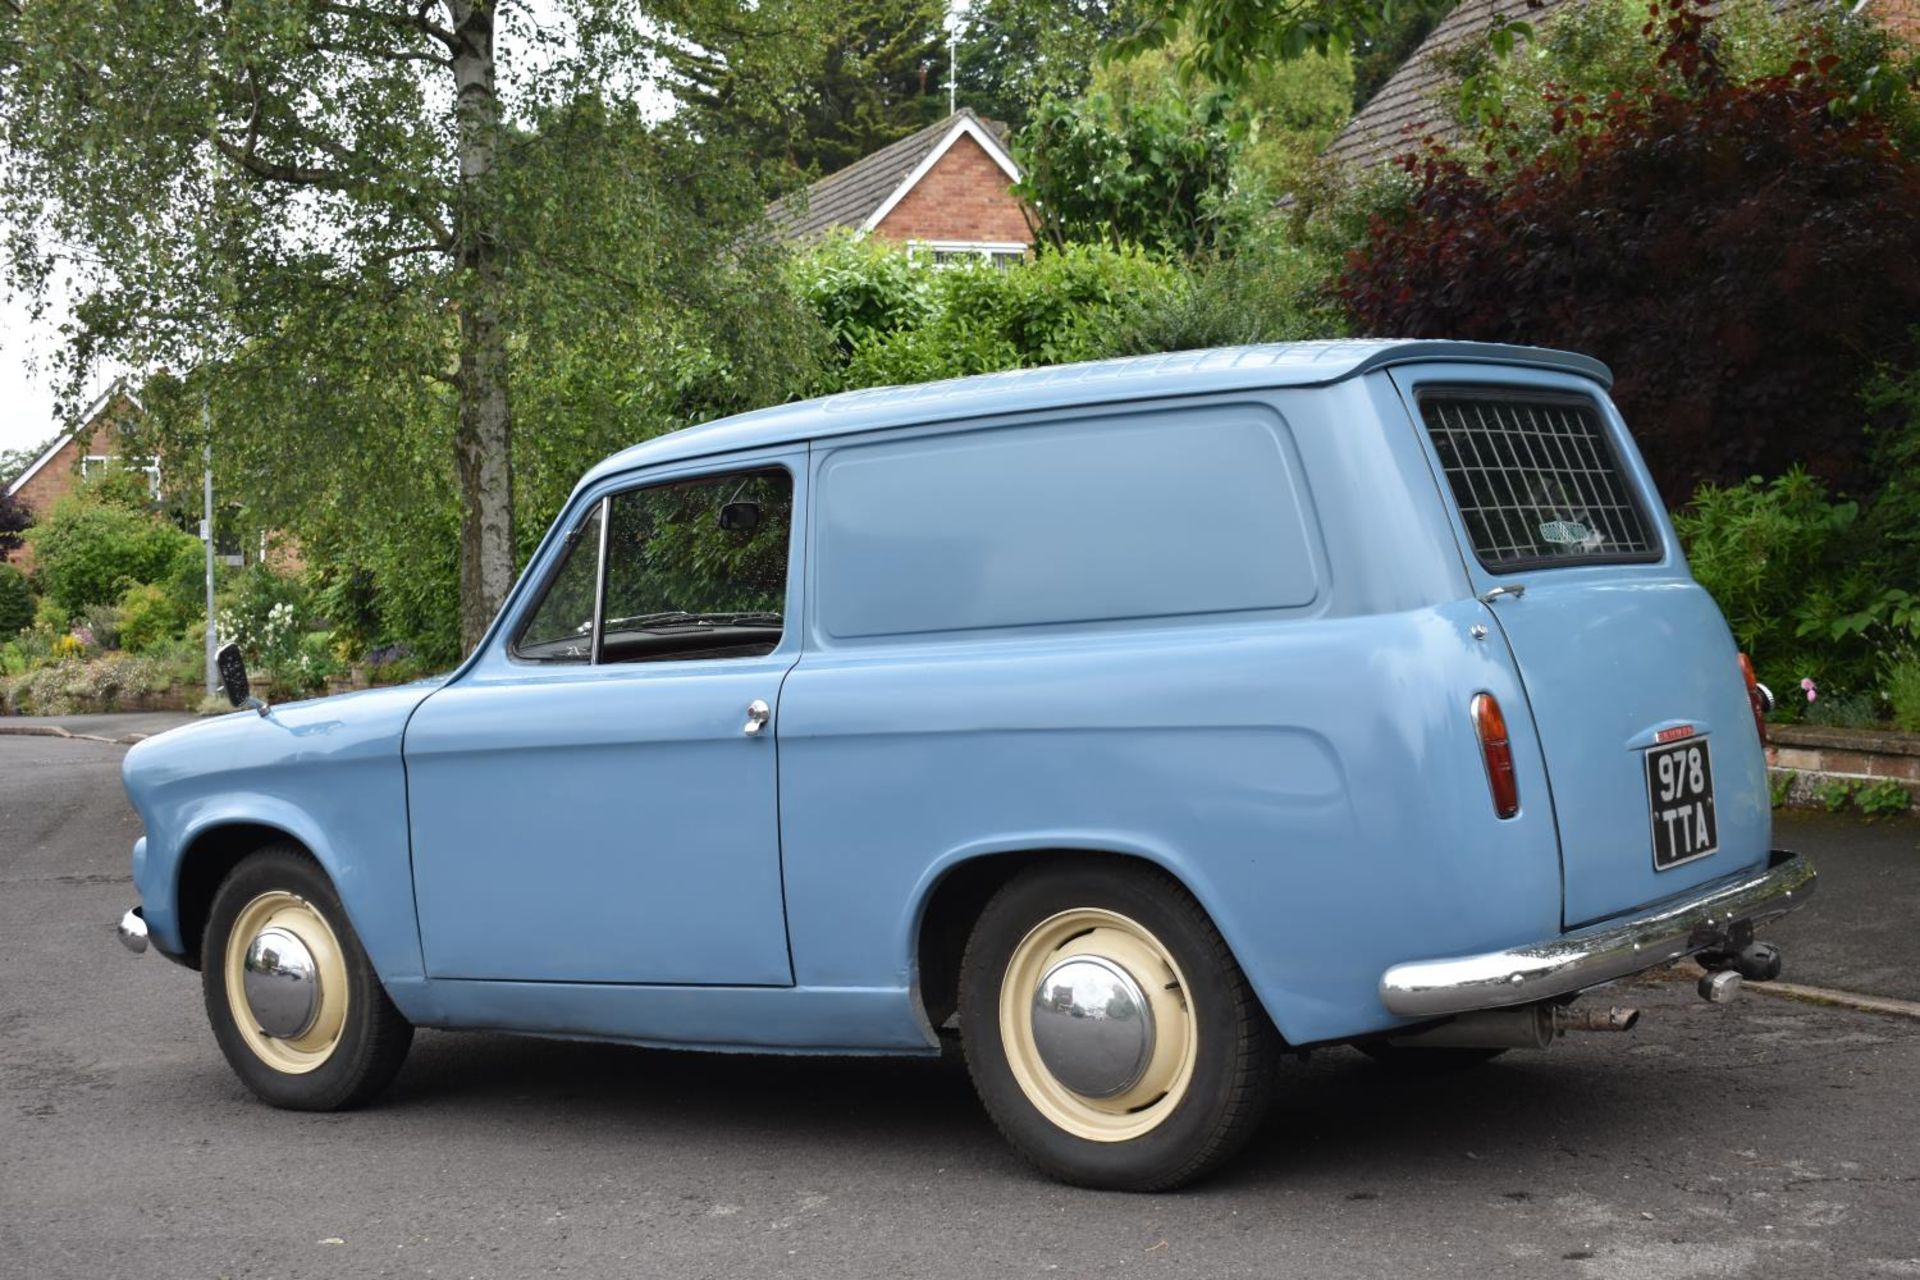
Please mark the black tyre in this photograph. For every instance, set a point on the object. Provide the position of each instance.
(1109, 1031)
(294, 1003)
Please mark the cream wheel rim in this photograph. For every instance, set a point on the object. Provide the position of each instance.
(315, 1042)
(1110, 941)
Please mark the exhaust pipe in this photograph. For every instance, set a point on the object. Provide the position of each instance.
(1613, 1019)
(1530, 1027)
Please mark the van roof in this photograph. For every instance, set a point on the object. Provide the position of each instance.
(1276, 364)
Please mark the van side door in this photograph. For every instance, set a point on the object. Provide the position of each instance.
(595, 799)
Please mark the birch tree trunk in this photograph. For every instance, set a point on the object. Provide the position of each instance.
(483, 439)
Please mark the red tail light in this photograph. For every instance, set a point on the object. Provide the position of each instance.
(1759, 697)
(1497, 752)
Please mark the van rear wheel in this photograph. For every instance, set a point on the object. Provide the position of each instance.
(1108, 1029)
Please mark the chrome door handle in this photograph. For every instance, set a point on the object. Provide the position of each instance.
(758, 713)
(1513, 592)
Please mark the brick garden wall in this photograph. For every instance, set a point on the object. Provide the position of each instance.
(1866, 756)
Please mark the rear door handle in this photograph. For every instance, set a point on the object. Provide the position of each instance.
(758, 713)
(1513, 592)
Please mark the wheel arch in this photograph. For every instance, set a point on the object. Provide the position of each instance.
(211, 851)
(951, 895)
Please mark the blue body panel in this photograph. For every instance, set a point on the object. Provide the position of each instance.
(1208, 610)
(327, 773)
(1611, 655)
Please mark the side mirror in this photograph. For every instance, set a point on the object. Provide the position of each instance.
(740, 517)
(233, 678)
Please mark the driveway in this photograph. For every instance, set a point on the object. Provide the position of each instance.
(1763, 1138)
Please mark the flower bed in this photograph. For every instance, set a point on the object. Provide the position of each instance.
(115, 682)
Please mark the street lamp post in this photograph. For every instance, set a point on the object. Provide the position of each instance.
(206, 536)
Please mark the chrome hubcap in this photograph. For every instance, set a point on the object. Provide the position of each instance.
(282, 983)
(1092, 1026)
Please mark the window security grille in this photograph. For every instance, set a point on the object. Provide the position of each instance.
(1537, 482)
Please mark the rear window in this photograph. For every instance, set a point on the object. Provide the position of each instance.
(1537, 481)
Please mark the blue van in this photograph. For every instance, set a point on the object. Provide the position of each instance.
(1129, 723)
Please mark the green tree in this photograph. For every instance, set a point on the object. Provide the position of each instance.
(1153, 171)
(809, 86)
(1015, 54)
(1378, 54)
(1277, 118)
(639, 299)
(1229, 40)
(331, 194)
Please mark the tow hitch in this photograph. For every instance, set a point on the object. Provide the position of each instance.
(1726, 971)
(1756, 962)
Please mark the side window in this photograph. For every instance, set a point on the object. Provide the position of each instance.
(693, 569)
(562, 627)
(698, 569)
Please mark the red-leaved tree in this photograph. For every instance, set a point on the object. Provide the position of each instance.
(1742, 255)
(14, 521)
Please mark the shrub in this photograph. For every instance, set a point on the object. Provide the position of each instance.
(1883, 799)
(16, 601)
(897, 320)
(1149, 170)
(1742, 254)
(861, 289)
(262, 612)
(1771, 553)
(1903, 691)
(1059, 308)
(88, 552)
(149, 614)
(99, 625)
(34, 645)
(1835, 794)
(1272, 289)
(49, 617)
(185, 579)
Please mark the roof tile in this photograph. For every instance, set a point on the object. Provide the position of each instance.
(846, 198)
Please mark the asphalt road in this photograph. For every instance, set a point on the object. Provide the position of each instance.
(1765, 1138)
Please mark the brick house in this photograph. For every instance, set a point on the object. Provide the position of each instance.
(944, 191)
(100, 436)
(1408, 107)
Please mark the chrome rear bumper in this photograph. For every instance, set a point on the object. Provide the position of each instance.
(1717, 918)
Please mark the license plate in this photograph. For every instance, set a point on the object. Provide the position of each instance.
(1680, 795)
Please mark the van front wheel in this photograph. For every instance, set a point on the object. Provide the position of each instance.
(295, 1004)
(1108, 1029)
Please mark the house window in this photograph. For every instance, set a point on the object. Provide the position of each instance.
(961, 253)
(93, 462)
